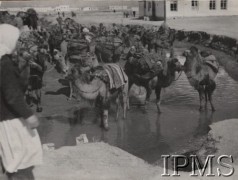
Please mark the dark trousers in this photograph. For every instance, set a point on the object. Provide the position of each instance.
(24, 174)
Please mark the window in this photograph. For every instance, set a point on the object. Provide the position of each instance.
(174, 6)
(212, 5)
(149, 5)
(223, 4)
(194, 4)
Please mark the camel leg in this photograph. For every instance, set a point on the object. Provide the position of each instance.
(105, 106)
(38, 99)
(80, 117)
(158, 92)
(127, 107)
(105, 119)
(211, 103)
(201, 98)
(149, 92)
(71, 91)
(98, 110)
(210, 90)
(124, 103)
(125, 99)
(117, 107)
(127, 96)
(206, 97)
(98, 116)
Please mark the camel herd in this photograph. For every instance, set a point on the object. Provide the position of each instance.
(102, 63)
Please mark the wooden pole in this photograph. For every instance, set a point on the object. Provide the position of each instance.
(164, 10)
(122, 12)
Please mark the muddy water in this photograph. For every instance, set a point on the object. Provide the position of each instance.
(145, 133)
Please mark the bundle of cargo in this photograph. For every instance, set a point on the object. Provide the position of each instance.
(109, 49)
(137, 95)
(76, 49)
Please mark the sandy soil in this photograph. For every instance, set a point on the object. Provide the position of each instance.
(93, 161)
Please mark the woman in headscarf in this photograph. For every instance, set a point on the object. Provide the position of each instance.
(20, 147)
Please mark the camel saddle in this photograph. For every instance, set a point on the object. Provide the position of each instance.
(112, 74)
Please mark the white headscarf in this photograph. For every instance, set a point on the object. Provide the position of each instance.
(8, 39)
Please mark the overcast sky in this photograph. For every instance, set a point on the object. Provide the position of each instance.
(72, 3)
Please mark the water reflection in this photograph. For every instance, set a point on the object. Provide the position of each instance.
(205, 119)
(145, 133)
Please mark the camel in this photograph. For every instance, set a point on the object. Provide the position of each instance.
(95, 87)
(152, 76)
(201, 74)
(109, 49)
(66, 67)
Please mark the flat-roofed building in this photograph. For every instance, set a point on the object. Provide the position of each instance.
(187, 8)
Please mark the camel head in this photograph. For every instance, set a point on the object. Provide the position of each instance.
(174, 65)
(89, 61)
(60, 59)
(191, 54)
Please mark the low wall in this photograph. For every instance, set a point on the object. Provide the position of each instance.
(217, 42)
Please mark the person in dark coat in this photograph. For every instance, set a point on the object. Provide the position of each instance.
(37, 69)
(20, 146)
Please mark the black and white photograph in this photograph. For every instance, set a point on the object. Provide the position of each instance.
(118, 89)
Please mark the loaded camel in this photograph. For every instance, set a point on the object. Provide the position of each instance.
(151, 72)
(102, 85)
(201, 73)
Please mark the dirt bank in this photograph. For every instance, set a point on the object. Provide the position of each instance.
(221, 140)
(93, 161)
(102, 161)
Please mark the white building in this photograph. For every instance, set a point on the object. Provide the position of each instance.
(75, 9)
(15, 9)
(117, 8)
(187, 8)
(90, 9)
(135, 9)
(62, 8)
(44, 9)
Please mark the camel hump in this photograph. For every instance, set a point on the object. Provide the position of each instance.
(211, 61)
